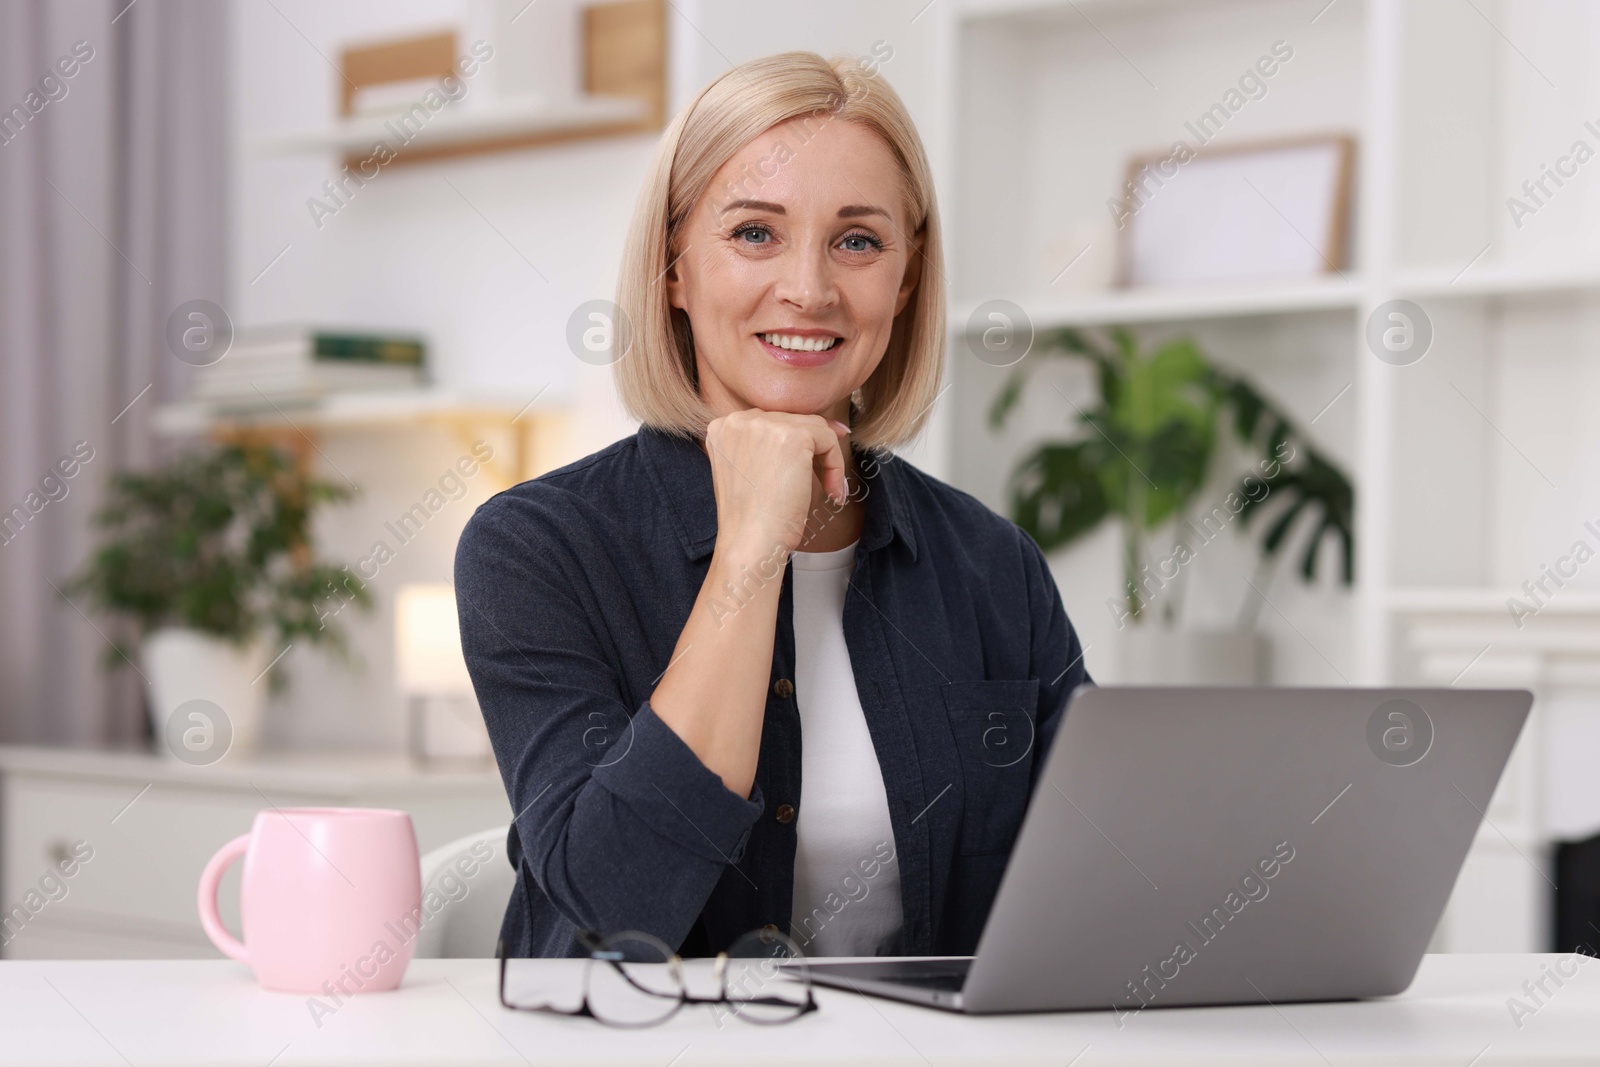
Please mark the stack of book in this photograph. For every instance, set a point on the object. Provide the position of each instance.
(291, 363)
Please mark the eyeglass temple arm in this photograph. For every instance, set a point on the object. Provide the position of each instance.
(583, 1009)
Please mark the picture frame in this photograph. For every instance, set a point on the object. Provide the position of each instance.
(1259, 211)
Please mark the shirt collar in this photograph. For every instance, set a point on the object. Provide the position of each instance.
(681, 472)
(888, 503)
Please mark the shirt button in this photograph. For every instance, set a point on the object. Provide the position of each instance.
(770, 928)
(784, 688)
(785, 813)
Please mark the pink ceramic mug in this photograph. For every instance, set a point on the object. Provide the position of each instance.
(331, 899)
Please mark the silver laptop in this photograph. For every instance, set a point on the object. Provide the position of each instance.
(1227, 846)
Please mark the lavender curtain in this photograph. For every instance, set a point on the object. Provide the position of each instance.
(112, 213)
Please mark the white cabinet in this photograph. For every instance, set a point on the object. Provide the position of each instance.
(1549, 793)
(149, 824)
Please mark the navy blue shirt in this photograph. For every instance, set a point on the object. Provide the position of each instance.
(573, 589)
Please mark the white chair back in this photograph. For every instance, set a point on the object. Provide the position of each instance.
(465, 887)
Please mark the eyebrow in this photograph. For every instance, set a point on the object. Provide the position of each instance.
(849, 211)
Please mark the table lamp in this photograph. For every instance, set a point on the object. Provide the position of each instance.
(443, 720)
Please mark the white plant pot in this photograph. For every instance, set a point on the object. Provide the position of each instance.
(1176, 655)
(184, 665)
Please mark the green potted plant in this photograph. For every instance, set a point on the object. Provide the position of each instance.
(210, 559)
(1142, 454)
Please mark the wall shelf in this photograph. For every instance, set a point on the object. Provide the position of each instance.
(342, 411)
(623, 52)
(460, 130)
(1487, 602)
(1134, 306)
(535, 428)
(1496, 280)
(1035, 13)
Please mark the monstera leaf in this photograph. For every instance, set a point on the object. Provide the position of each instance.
(1057, 495)
(1143, 449)
(1306, 483)
(1317, 488)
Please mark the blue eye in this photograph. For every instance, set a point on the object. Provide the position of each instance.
(872, 242)
(867, 242)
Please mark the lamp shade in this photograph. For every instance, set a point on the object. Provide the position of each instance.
(427, 640)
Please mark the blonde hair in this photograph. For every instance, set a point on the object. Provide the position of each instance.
(657, 376)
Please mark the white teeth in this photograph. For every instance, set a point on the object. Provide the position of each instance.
(798, 344)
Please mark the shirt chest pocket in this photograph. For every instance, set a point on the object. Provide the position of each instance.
(993, 724)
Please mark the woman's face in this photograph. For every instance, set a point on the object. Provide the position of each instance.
(793, 266)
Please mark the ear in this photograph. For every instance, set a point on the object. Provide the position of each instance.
(675, 294)
(913, 275)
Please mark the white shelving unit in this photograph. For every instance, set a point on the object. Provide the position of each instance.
(1474, 466)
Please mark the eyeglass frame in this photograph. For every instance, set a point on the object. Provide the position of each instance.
(594, 941)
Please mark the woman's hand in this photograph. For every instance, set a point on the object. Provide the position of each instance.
(762, 464)
(713, 693)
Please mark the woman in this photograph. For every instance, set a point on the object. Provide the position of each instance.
(746, 669)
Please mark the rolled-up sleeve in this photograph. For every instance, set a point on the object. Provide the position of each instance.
(621, 825)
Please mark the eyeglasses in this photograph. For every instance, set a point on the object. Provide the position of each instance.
(632, 979)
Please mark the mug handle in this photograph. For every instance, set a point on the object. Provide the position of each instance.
(210, 878)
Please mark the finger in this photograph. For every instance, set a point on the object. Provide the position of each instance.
(827, 455)
(829, 462)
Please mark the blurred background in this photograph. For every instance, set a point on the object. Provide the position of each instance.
(1274, 321)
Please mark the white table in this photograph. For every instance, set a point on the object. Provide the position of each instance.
(211, 1012)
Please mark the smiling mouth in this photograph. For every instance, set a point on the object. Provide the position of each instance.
(792, 343)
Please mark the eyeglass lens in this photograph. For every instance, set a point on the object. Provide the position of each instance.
(632, 979)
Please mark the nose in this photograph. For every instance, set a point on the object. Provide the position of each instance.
(807, 281)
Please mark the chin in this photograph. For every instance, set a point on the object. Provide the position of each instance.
(794, 401)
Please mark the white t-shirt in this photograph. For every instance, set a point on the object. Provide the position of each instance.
(846, 872)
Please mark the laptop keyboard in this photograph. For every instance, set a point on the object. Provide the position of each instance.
(950, 983)
(944, 975)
